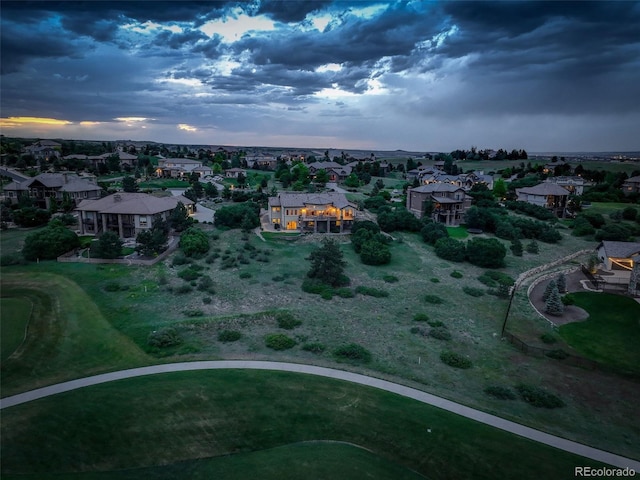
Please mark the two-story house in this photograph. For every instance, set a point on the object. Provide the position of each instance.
(127, 214)
(311, 212)
(450, 202)
(631, 185)
(548, 195)
(42, 188)
(177, 167)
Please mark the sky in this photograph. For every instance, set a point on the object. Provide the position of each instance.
(411, 75)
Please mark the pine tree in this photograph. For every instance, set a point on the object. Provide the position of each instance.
(327, 264)
(554, 305)
(516, 247)
(562, 283)
(547, 291)
(532, 247)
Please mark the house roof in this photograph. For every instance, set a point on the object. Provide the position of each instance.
(620, 249)
(64, 182)
(543, 189)
(437, 187)
(288, 200)
(127, 156)
(128, 203)
(635, 179)
(184, 161)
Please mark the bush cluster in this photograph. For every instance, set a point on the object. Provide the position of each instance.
(434, 299)
(421, 317)
(390, 278)
(500, 392)
(243, 215)
(316, 348)
(287, 320)
(165, 337)
(353, 351)
(372, 292)
(538, 397)
(455, 360)
(531, 210)
(440, 333)
(474, 292)
(229, 336)
(279, 341)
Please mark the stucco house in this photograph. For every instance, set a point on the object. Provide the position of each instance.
(548, 195)
(618, 255)
(234, 172)
(176, 167)
(574, 185)
(335, 171)
(450, 202)
(42, 188)
(311, 212)
(631, 185)
(127, 214)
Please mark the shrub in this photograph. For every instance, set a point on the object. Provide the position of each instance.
(165, 337)
(188, 274)
(245, 275)
(516, 247)
(474, 292)
(287, 320)
(538, 397)
(206, 300)
(435, 280)
(372, 292)
(615, 232)
(12, 259)
(179, 259)
(500, 392)
(206, 284)
(629, 213)
(353, 351)
(456, 274)
(344, 292)
(548, 289)
(373, 252)
(229, 336)
(315, 286)
(493, 278)
(582, 227)
(242, 215)
(532, 247)
(194, 242)
(450, 249)
(440, 333)
(194, 313)
(279, 341)
(554, 305)
(435, 323)
(49, 243)
(486, 252)
(390, 278)
(434, 299)
(113, 287)
(433, 231)
(182, 289)
(455, 360)
(558, 354)
(568, 299)
(421, 317)
(548, 338)
(316, 348)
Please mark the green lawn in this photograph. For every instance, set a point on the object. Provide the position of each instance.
(164, 183)
(11, 241)
(606, 208)
(458, 233)
(611, 334)
(168, 418)
(14, 317)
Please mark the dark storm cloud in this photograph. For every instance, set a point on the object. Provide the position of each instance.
(178, 40)
(289, 10)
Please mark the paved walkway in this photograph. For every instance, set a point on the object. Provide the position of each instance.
(487, 419)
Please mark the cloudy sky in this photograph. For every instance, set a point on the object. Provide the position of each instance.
(414, 75)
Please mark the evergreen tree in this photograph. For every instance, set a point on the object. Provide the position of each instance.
(327, 264)
(108, 246)
(561, 282)
(129, 184)
(179, 218)
(554, 305)
(547, 291)
(532, 247)
(516, 247)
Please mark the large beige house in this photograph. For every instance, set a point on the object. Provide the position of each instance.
(311, 212)
(547, 195)
(127, 214)
(450, 202)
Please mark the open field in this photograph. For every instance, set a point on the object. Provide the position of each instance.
(14, 318)
(211, 414)
(611, 334)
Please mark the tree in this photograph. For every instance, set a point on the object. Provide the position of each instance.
(50, 243)
(500, 188)
(242, 180)
(486, 252)
(129, 184)
(210, 190)
(243, 215)
(352, 181)
(450, 249)
(554, 305)
(532, 247)
(548, 289)
(516, 247)
(561, 282)
(433, 231)
(154, 241)
(322, 177)
(109, 245)
(194, 242)
(179, 218)
(31, 216)
(327, 264)
(373, 252)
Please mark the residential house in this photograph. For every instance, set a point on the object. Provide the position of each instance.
(631, 185)
(465, 181)
(618, 255)
(234, 172)
(42, 188)
(336, 172)
(127, 214)
(177, 167)
(44, 150)
(574, 185)
(450, 202)
(548, 195)
(311, 212)
(264, 162)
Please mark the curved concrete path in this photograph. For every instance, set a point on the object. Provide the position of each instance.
(477, 415)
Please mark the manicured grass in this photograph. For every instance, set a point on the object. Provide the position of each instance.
(14, 318)
(606, 208)
(458, 232)
(68, 336)
(168, 418)
(11, 241)
(611, 334)
(164, 183)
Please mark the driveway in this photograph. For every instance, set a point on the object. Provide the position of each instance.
(427, 398)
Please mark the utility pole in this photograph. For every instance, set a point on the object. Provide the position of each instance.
(506, 316)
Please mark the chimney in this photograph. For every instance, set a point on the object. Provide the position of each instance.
(117, 197)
